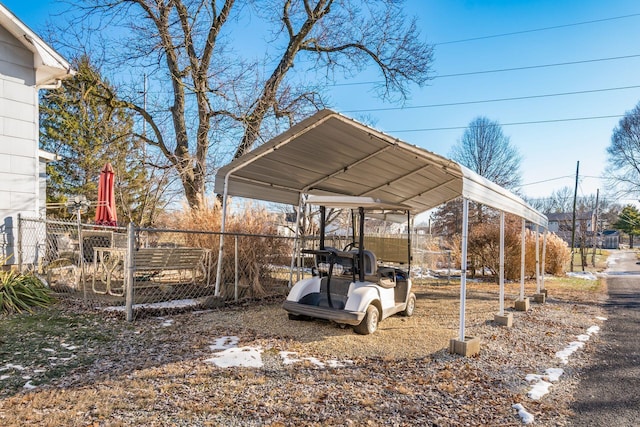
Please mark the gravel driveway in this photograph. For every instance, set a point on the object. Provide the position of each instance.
(609, 394)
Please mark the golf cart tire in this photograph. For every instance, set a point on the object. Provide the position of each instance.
(298, 317)
(411, 306)
(369, 323)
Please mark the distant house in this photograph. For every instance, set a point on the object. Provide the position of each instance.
(561, 223)
(27, 64)
(610, 239)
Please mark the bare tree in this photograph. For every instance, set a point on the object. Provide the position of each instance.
(487, 151)
(227, 72)
(623, 161)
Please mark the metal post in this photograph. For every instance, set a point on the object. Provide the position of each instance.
(20, 231)
(522, 250)
(544, 257)
(537, 259)
(501, 264)
(222, 231)
(130, 269)
(573, 222)
(296, 244)
(235, 282)
(81, 249)
(463, 265)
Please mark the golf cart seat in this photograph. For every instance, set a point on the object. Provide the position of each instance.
(370, 263)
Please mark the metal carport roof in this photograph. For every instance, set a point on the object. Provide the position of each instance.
(331, 154)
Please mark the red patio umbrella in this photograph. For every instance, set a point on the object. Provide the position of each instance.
(106, 210)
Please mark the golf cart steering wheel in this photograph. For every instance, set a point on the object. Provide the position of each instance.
(350, 246)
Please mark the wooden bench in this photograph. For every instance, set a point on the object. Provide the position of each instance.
(149, 263)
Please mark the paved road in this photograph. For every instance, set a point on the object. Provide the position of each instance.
(609, 393)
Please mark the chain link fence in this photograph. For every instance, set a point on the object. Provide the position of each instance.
(176, 269)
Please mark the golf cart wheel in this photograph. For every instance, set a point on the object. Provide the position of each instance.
(411, 306)
(370, 322)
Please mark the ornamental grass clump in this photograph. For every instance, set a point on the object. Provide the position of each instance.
(22, 292)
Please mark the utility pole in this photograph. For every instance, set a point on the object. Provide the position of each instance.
(595, 230)
(573, 222)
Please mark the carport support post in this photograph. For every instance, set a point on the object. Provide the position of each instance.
(465, 346)
(501, 318)
(130, 269)
(539, 296)
(463, 266)
(544, 257)
(296, 244)
(522, 304)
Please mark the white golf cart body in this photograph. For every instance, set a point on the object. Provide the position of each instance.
(339, 291)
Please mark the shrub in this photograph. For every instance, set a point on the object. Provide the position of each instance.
(257, 252)
(22, 292)
(484, 249)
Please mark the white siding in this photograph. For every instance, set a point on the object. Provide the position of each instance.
(19, 177)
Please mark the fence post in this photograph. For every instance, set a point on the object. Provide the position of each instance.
(235, 286)
(130, 268)
(20, 231)
(81, 257)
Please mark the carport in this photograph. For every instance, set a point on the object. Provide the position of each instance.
(331, 154)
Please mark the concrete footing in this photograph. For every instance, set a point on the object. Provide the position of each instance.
(522, 304)
(540, 298)
(504, 320)
(467, 348)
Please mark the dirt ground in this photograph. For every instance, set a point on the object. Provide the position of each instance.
(154, 371)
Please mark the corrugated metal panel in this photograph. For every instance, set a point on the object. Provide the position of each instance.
(330, 154)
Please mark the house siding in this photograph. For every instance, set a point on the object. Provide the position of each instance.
(19, 165)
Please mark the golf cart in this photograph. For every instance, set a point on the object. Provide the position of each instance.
(348, 286)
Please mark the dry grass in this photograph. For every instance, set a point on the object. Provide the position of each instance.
(147, 374)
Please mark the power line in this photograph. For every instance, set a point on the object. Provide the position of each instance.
(531, 67)
(515, 98)
(546, 180)
(509, 124)
(503, 70)
(554, 27)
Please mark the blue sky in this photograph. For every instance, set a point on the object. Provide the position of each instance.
(550, 150)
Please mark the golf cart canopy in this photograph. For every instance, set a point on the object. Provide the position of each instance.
(329, 154)
(374, 208)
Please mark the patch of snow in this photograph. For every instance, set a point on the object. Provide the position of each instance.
(525, 416)
(539, 389)
(68, 346)
(179, 303)
(39, 371)
(554, 374)
(224, 343)
(250, 357)
(289, 359)
(339, 364)
(583, 337)
(593, 330)
(601, 318)
(167, 322)
(573, 346)
(4, 377)
(50, 350)
(587, 275)
(12, 366)
(29, 386)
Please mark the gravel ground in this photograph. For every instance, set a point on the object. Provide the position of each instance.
(156, 372)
